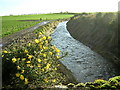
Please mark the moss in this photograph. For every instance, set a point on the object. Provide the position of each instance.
(80, 85)
(105, 86)
(70, 85)
(99, 82)
(117, 85)
(113, 86)
(112, 83)
(89, 83)
(117, 78)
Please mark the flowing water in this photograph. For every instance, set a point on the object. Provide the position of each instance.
(0, 45)
(85, 64)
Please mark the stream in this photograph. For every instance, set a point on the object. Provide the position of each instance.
(85, 64)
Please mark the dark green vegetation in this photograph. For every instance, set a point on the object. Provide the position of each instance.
(12, 24)
(99, 31)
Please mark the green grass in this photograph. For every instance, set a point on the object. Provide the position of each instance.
(12, 24)
(37, 17)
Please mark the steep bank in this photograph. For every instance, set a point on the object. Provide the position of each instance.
(99, 32)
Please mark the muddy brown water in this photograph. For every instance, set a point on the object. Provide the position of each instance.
(85, 64)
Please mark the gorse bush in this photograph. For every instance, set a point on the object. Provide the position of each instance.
(32, 64)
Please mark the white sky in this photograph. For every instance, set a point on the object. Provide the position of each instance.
(16, 7)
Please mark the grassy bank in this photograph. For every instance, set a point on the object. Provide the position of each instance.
(99, 31)
(12, 24)
(32, 60)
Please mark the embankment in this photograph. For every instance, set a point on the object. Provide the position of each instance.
(98, 31)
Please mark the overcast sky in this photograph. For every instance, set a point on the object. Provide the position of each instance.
(17, 7)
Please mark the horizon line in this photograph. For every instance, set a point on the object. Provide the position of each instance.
(60, 12)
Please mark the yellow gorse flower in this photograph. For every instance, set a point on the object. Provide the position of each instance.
(44, 38)
(39, 65)
(28, 65)
(30, 56)
(39, 60)
(57, 57)
(28, 62)
(23, 71)
(58, 65)
(43, 69)
(42, 50)
(57, 50)
(41, 46)
(18, 67)
(45, 48)
(50, 53)
(26, 51)
(18, 59)
(26, 81)
(48, 65)
(29, 44)
(23, 59)
(41, 53)
(49, 37)
(17, 74)
(36, 41)
(40, 33)
(45, 61)
(44, 55)
(46, 80)
(55, 68)
(58, 54)
(5, 51)
(41, 43)
(2, 55)
(54, 80)
(14, 60)
(46, 41)
(41, 39)
(21, 77)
